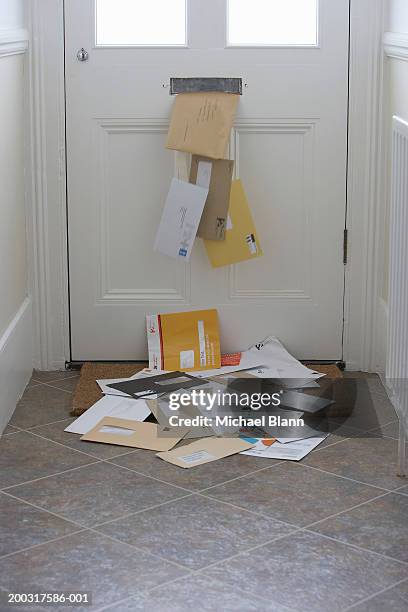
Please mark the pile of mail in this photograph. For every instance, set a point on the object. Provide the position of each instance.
(208, 203)
(119, 418)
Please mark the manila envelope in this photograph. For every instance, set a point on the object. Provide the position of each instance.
(201, 123)
(184, 340)
(216, 175)
(204, 451)
(241, 241)
(135, 434)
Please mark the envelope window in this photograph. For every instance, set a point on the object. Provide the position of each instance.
(280, 23)
(117, 431)
(128, 23)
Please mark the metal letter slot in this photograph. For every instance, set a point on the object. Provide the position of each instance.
(198, 84)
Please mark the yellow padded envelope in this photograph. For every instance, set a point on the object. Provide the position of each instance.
(241, 240)
(184, 341)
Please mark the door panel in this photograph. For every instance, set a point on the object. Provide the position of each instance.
(289, 143)
(128, 221)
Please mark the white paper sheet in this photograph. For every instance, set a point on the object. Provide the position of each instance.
(109, 406)
(269, 359)
(275, 358)
(295, 451)
(290, 440)
(180, 219)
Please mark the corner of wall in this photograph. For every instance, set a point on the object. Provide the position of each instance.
(16, 337)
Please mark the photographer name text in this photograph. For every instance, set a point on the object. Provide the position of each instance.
(235, 421)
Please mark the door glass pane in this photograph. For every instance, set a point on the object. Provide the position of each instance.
(272, 22)
(140, 22)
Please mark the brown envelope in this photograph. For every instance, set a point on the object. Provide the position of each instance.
(201, 123)
(213, 222)
(134, 434)
(204, 451)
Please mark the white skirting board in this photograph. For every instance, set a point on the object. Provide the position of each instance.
(382, 337)
(16, 361)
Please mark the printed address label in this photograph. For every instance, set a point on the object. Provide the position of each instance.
(197, 456)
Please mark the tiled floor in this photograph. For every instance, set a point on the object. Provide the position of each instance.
(241, 534)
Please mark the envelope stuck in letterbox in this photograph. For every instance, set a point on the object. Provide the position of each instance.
(180, 219)
(241, 241)
(201, 123)
(216, 176)
(184, 340)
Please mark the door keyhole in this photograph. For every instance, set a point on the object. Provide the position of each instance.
(82, 55)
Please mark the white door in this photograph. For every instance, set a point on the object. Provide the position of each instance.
(289, 144)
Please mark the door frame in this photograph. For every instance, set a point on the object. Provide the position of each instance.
(47, 199)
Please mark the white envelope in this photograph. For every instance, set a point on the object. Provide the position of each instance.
(277, 362)
(268, 359)
(110, 406)
(180, 219)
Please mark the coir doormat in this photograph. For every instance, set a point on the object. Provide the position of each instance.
(88, 392)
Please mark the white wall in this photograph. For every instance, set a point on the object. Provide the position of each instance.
(396, 94)
(13, 269)
(15, 304)
(395, 103)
